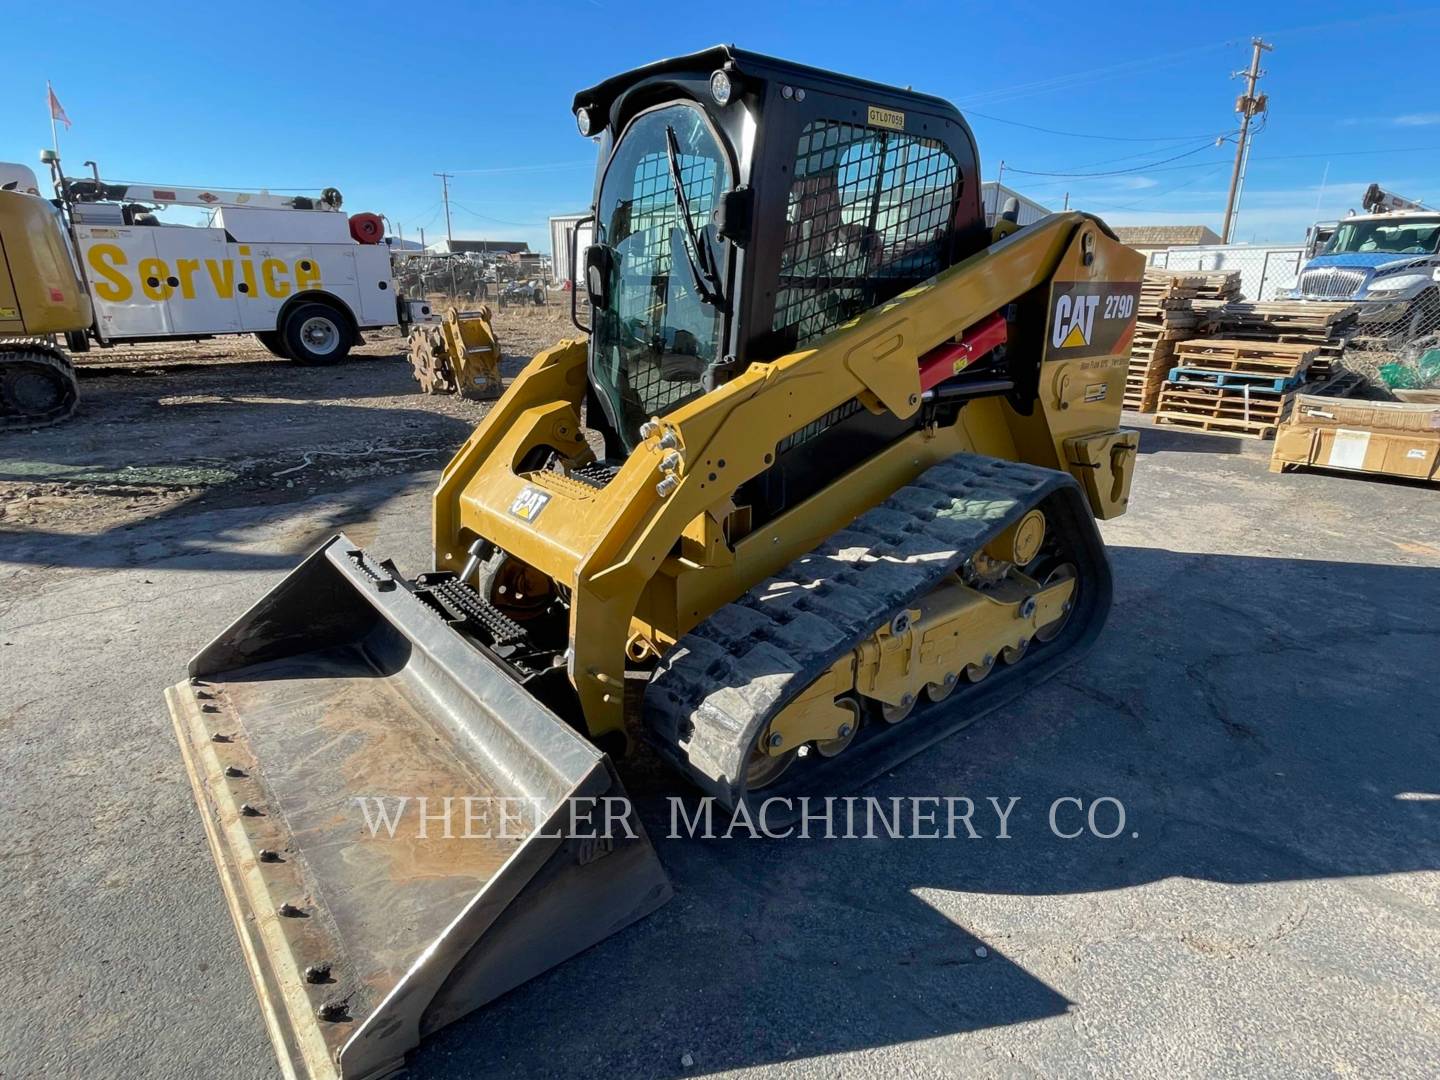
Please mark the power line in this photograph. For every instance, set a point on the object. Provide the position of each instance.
(590, 164)
(500, 221)
(1088, 75)
(1103, 138)
(1204, 142)
(1157, 194)
(1099, 74)
(1115, 172)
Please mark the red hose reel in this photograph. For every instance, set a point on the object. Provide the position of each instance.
(367, 228)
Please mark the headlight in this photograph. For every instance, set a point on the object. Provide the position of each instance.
(582, 120)
(720, 88)
(1398, 283)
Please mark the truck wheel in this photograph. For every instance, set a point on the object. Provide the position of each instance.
(316, 334)
(273, 342)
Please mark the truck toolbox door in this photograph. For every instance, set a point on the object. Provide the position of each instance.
(111, 257)
(204, 280)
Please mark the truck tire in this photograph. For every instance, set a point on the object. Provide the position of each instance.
(316, 334)
(273, 342)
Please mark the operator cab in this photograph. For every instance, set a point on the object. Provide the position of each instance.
(745, 206)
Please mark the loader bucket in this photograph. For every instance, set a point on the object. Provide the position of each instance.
(363, 934)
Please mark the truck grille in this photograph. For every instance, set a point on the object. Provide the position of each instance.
(1332, 281)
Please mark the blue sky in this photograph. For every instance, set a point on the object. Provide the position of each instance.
(375, 98)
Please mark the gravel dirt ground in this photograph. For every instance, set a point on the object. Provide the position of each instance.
(1261, 702)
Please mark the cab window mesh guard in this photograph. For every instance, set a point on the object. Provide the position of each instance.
(653, 214)
(869, 215)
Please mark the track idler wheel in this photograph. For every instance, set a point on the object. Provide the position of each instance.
(1055, 573)
(763, 769)
(831, 747)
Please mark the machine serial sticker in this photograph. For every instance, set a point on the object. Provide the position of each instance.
(886, 118)
(1418, 454)
(1096, 391)
(1091, 318)
(529, 503)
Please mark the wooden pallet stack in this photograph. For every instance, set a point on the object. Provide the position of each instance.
(1175, 305)
(1323, 325)
(1233, 386)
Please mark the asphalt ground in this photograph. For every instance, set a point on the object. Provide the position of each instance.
(1262, 703)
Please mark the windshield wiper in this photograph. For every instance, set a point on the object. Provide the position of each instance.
(702, 262)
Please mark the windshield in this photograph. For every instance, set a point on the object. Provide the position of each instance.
(1404, 237)
(662, 328)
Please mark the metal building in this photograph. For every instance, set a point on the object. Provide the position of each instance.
(563, 241)
(992, 193)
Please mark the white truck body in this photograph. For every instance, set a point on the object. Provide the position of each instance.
(155, 281)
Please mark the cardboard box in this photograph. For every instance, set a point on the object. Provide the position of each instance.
(1393, 438)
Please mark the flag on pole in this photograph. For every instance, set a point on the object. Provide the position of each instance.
(57, 112)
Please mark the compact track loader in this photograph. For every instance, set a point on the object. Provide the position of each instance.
(849, 447)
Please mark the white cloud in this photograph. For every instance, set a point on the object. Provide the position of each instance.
(1417, 120)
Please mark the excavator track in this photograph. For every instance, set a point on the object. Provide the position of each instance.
(714, 693)
(37, 384)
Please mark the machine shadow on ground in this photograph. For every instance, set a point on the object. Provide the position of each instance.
(364, 376)
(1215, 707)
(1158, 439)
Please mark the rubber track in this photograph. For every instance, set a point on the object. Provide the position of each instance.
(713, 693)
(38, 352)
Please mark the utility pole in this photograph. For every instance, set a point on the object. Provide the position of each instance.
(445, 179)
(1067, 201)
(1247, 105)
(422, 237)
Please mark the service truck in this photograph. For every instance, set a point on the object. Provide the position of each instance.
(98, 265)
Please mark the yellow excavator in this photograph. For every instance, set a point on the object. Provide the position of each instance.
(847, 447)
(41, 296)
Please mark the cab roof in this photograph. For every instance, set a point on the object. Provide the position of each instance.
(754, 66)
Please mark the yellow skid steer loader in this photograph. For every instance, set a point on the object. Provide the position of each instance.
(854, 443)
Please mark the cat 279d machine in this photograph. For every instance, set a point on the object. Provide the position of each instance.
(853, 446)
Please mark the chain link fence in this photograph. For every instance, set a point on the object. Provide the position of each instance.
(1393, 344)
(466, 281)
(1396, 344)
